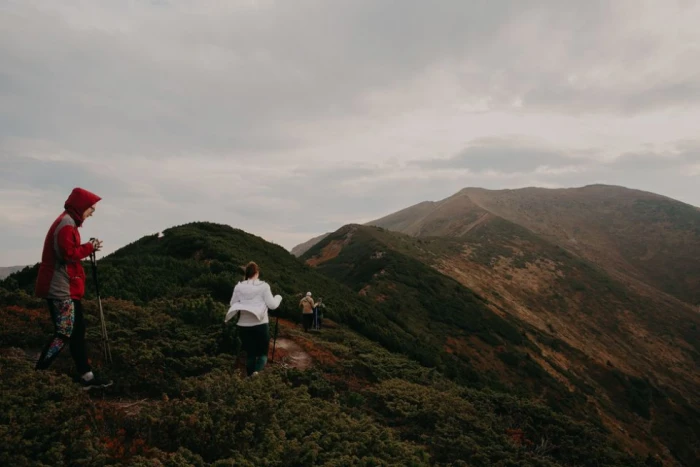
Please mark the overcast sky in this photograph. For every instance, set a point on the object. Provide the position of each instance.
(292, 118)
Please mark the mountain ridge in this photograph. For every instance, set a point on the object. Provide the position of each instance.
(7, 270)
(576, 330)
(303, 247)
(625, 231)
(426, 205)
(164, 300)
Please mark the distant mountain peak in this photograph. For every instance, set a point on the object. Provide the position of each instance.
(7, 270)
(302, 248)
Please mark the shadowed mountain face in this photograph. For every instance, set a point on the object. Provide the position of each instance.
(600, 279)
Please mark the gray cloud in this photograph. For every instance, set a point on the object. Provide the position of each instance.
(683, 154)
(513, 155)
(289, 119)
(504, 155)
(217, 79)
(175, 77)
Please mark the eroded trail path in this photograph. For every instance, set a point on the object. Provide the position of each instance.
(289, 352)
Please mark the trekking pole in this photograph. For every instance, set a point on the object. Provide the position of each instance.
(274, 341)
(105, 339)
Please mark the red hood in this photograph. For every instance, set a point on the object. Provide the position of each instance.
(78, 202)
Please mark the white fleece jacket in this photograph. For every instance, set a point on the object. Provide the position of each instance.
(252, 298)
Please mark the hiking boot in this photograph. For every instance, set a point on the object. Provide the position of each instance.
(95, 382)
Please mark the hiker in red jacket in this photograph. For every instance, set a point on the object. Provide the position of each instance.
(61, 281)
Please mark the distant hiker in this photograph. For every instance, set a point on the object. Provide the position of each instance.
(307, 311)
(252, 298)
(61, 281)
(318, 313)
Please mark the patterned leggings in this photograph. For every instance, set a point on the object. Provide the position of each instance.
(69, 328)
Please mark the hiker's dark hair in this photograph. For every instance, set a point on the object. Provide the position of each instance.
(251, 269)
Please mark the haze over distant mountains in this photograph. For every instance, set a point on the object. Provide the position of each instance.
(7, 270)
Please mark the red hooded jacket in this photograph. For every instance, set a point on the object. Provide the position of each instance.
(61, 275)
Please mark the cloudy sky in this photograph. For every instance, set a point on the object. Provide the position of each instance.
(291, 118)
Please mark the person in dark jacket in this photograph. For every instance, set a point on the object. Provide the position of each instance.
(318, 314)
(61, 281)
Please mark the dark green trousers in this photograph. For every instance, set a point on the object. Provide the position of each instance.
(255, 342)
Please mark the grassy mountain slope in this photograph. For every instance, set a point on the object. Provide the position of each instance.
(635, 235)
(177, 400)
(574, 324)
(431, 308)
(197, 259)
(303, 247)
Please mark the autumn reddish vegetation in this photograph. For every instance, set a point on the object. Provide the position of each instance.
(118, 443)
(317, 352)
(517, 436)
(17, 316)
(25, 325)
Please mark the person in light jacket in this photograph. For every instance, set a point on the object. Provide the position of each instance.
(307, 311)
(251, 299)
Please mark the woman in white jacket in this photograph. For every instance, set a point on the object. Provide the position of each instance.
(252, 298)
